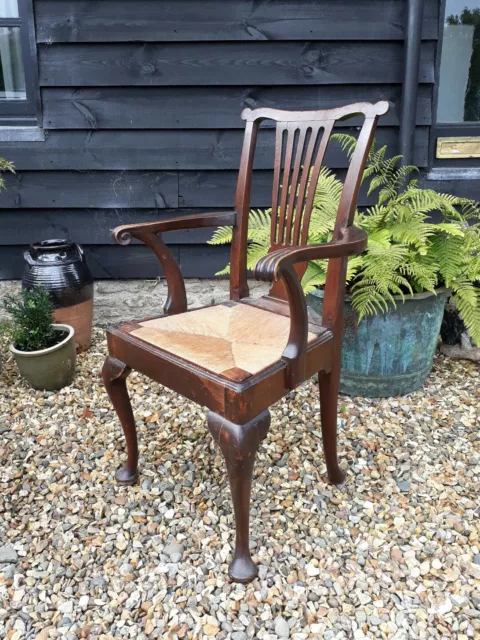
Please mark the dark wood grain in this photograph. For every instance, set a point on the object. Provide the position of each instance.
(169, 150)
(228, 63)
(181, 20)
(217, 188)
(98, 189)
(239, 444)
(134, 262)
(114, 375)
(215, 107)
(90, 226)
(94, 226)
(461, 186)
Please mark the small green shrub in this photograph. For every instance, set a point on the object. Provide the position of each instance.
(32, 318)
(407, 253)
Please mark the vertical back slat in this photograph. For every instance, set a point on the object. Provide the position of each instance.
(276, 181)
(312, 183)
(289, 153)
(307, 162)
(292, 197)
(353, 179)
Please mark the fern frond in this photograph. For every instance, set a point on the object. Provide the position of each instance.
(224, 272)
(315, 275)
(222, 235)
(467, 300)
(347, 142)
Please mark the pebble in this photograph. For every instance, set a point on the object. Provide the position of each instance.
(282, 629)
(393, 553)
(174, 552)
(8, 555)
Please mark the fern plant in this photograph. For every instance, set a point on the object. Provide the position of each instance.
(407, 253)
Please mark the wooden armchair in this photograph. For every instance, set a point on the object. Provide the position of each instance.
(239, 357)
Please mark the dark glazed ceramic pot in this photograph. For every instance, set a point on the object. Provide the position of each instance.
(59, 266)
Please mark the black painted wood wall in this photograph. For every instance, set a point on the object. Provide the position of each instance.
(141, 104)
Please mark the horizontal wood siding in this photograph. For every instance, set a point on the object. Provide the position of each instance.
(215, 107)
(141, 107)
(196, 261)
(228, 63)
(220, 20)
(166, 150)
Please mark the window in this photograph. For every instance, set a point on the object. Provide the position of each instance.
(459, 82)
(19, 99)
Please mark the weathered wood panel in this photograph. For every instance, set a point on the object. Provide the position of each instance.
(90, 226)
(228, 63)
(169, 150)
(210, 20)
(215, 107)
(207, 189)
(202, 261)
(134, 261)
(464, 188)
(134, 189)
(81, 190)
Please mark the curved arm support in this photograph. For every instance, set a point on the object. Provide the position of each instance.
(352, 241)
(147, 233)
(177, 296)
(123, 234)
(281, 264)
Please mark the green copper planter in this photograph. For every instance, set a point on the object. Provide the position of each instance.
(389, 354)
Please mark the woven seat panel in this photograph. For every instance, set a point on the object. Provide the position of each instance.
(234, 340)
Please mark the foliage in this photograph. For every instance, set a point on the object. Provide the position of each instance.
(407, 253)
(5, 336)
(5, 165)
(32, 316)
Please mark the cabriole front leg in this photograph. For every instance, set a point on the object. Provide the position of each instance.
(239, 444)
(115, 375)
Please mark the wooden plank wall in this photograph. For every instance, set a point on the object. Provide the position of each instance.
(141, 106)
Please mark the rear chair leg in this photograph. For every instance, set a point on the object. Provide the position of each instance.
(239, 444)
(329, 384)
(115, 374)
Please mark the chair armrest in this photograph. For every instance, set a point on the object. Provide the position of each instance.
(281, 264)
(147, 233)
(269, 268)
(124, 234)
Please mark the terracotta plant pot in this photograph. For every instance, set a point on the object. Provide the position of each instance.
(49, 369)
(59, 266)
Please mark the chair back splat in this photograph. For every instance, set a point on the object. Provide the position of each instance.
(301, 141)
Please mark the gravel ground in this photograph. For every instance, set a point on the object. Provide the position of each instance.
(392, 554)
